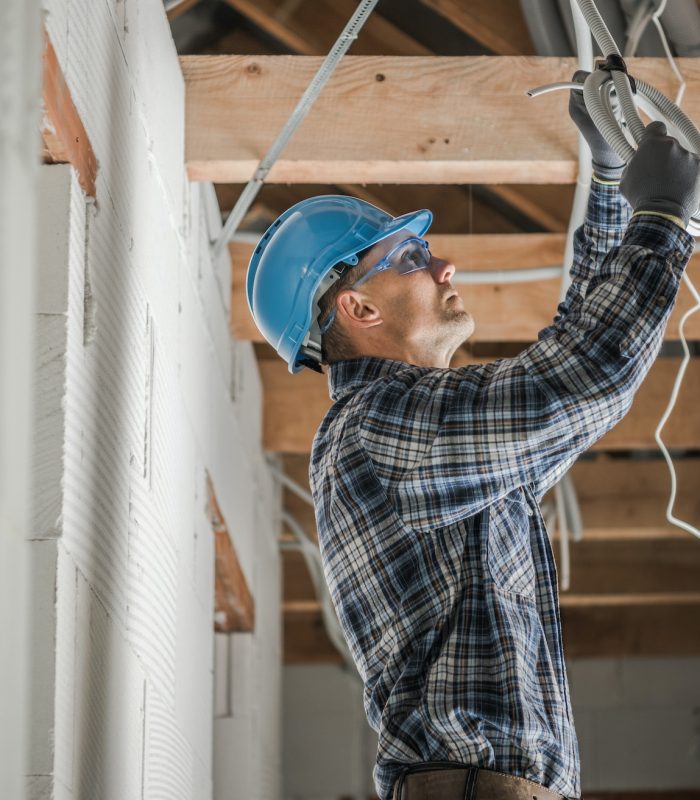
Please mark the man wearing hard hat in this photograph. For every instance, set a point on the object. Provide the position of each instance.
(427, 479)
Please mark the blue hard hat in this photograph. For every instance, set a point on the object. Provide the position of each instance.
(292, 266)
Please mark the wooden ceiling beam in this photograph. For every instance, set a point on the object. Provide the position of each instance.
(185, 5)
(294, 406)
(622, 500)
(235, 606)
(311, 27)
(589, 632)
(502, 312)
(602, 574)
(64, 138)
(498, 25)
(470, 120)
(262, 14)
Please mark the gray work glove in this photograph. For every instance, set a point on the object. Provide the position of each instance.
(607, 165)
(662, 176)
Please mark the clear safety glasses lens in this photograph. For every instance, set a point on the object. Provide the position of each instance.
(408, 256)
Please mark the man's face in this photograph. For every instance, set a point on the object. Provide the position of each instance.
(421, 308)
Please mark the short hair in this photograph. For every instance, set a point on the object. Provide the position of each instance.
(335, 342)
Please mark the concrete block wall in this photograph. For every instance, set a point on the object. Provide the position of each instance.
(638, 724)
(140, 393)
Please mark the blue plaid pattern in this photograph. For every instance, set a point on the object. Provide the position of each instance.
(427, 485)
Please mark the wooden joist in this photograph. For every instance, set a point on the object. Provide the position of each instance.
(393, 119)
(483, 20)
(64, 138)
(589, 632)
(310, 27)
(502, 312)
(621, 500)
(631, 566)
(294, 406)
(235, 607)
(603, 573)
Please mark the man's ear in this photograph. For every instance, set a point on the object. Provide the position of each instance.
(357, 310)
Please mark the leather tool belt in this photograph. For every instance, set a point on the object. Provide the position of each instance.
(440, 780)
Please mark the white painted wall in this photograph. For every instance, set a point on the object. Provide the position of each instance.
(638, 722)
(139, 392)
(20, 92)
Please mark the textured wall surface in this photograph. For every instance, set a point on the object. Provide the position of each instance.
(637, 719)
(140, 393)
(20, 93)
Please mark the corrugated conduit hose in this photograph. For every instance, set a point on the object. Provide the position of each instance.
(596, 91)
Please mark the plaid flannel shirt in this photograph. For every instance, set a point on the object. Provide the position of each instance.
(427, 484)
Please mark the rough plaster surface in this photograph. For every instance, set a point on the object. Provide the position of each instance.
(140, 393)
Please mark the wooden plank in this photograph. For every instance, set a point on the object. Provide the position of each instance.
(598, 632)
(305, 641)
(483, 20)
(261, 14)
(181, 8)
(502, 312)
(311, 27)
(470, 121)
(64, 137)
(622, 501)
(548, 206)
(603, 573)
(632, 630)
(235, 606)
(294, 406)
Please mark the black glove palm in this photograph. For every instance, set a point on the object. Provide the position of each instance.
(662, 176)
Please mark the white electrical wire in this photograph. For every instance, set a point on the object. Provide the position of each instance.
(686, 526)
(671, 60)
(597, 90)
(679, 523)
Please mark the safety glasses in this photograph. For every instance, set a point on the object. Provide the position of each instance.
(408, 256)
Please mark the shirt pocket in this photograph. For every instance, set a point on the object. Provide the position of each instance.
(509, 554)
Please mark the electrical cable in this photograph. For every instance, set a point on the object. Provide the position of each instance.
(597, 89)
(679, 523)
(331, 61)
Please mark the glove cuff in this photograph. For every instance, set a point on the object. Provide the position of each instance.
(607, 173)
(664, 207)
(677, 220)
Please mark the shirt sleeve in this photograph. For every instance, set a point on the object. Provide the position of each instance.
(607, 217)
(447, 443)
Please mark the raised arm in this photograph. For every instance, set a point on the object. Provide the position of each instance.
(447, 443)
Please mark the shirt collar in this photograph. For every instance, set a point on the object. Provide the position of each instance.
(348, 376)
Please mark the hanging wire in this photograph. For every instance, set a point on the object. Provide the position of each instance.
(679, 523)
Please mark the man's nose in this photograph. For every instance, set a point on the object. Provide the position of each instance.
(442, 269)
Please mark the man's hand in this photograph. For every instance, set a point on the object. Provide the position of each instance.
(607, 165)
(662, 176)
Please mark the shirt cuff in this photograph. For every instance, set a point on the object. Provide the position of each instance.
(658, 233)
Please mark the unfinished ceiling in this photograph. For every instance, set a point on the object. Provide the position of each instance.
(429, 111)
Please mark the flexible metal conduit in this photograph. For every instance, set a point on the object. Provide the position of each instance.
(249, 193)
